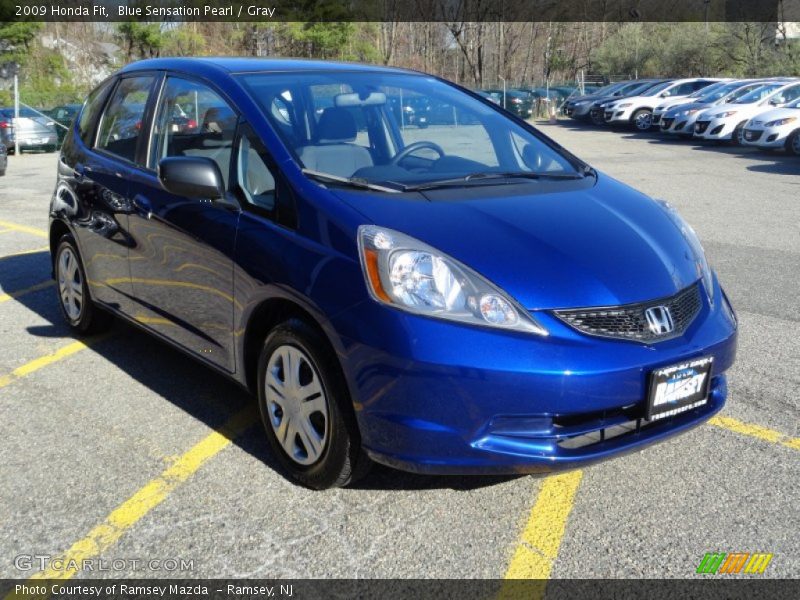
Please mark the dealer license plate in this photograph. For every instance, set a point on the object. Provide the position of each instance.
(678, 388)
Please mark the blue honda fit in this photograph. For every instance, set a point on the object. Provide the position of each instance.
(399, 270)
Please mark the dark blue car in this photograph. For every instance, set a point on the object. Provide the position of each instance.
(464, 298)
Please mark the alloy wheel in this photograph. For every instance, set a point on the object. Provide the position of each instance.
(70, 284)
(643, 121)
(296, 404)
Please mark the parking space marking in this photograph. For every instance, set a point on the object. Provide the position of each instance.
(24, 252)
(756, 431)
(127, 514)
(540, 540)
(24, 229)
(48, 359)
(28, 290)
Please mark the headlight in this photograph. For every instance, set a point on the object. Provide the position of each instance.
(701, 264)
(412, 276)
(724, 115)
(624, 105)
(779, 122)
(691, 111)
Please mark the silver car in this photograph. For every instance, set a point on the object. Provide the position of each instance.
(32, 130)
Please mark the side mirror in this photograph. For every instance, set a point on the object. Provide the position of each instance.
(191, 176)
(532, 158)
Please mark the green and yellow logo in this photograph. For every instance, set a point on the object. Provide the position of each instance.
(721, 563)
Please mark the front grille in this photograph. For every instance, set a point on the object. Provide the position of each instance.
(666, 122)
(680, 125)
(701, 126)
(752, 135)
(628, 322)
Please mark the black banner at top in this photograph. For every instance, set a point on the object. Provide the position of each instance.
(402, 10)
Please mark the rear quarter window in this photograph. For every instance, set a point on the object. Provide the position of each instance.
(90, 111)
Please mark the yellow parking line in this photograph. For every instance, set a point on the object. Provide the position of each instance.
(24, 229)
(122, 518)
(34, 288)
(24, 252)
(756, 431)
(540, 540)
(47, 359)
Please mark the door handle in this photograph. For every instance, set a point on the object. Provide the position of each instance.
(143, 207)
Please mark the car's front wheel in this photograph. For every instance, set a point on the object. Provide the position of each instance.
(793, 143)
(306, 409)
(642, 119)
(75, 302)
(737, 137)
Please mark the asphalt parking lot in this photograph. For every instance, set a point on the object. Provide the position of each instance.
(122, 448)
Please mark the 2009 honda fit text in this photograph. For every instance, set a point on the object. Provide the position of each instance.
(467, 297)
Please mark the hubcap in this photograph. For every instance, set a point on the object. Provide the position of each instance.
(70, 286)
(296, 404)
(643, 121)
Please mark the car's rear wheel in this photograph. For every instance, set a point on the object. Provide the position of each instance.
(793, 143)
(75, 302)
(597, 118)
(306, 409)
(642, 119)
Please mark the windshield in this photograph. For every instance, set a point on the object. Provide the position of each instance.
(705, 91)
(397, 128)
(720, 92)
(632, 89)
(759, 93)
(657, 89)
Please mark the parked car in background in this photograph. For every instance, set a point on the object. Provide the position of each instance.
(661, 108)
(517, 102)
(633, 88)
(491, 97)
(680, 119)
(63, 115)
(726, 122)
(31, 130)
(637, 111)
(776, 128)
(578, 107)
(3, 159)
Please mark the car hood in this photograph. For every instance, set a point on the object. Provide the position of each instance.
(742, 110)
(674, 103)
(775, 113)
(548, 245)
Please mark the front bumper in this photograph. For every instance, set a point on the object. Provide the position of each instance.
(714, 129)
(772, 137)
(437, 397)
(618, 116)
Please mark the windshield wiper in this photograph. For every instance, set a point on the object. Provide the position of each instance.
(355, 182)
(494, 175)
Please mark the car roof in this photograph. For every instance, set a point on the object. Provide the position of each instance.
(209, 66)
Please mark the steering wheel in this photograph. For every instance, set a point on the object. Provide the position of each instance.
(411, 148)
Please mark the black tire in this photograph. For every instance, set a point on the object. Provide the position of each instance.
(90, 318)
(738, 134)
(597, 120)
(341, 460)
(640, 117)
(793, 143)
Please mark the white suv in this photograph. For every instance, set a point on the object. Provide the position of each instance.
(726, 122)
(638, 110)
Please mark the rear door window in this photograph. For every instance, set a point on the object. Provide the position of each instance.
(122, 121)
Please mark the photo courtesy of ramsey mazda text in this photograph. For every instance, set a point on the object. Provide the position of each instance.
(479, 302)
